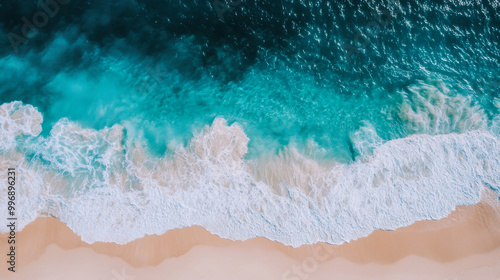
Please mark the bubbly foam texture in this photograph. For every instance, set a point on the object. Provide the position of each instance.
(432, 108)
(108, 187)
(366, 139)
(17, 120)
(495, 123)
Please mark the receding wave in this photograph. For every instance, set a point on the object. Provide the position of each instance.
(108, 187)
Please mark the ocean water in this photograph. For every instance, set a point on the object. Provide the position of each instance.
(298, 121)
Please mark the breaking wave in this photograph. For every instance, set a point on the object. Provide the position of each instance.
(108, 187)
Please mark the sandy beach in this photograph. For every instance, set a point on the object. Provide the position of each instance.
(249, 140)
(465, 245)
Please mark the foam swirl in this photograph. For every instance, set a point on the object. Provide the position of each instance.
(109, 188)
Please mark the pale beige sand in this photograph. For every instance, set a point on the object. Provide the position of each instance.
(248, 262)
(465, 245)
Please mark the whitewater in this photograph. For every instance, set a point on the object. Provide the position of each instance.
(297, 121)
(107, 187)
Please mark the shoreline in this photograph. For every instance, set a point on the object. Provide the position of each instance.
(469, 232)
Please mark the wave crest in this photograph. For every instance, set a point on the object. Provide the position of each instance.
(109, 188)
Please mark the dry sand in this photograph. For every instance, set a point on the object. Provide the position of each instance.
(465, 245)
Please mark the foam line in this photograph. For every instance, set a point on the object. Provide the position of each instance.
(107, 187)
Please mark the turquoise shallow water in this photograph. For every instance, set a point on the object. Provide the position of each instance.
(299, 121)
(318, 77)
(277, 107)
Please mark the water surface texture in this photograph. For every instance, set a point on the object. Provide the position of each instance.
(298, 121)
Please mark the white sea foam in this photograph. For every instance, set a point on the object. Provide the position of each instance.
(495, 123)
(17, 120)
(430, 107)
(365, 139)
(109, 188)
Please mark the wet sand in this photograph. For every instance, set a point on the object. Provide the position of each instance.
(465, 245)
